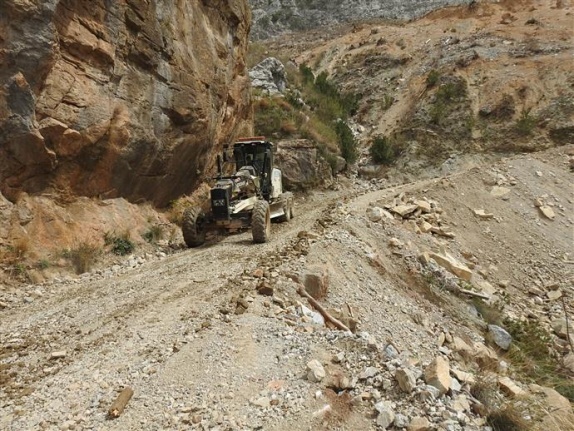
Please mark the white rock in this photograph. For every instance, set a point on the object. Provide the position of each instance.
(406, 379)
(315, 371)
(386, 414)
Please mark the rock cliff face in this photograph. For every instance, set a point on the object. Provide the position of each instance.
(129, 98)
(272, 17)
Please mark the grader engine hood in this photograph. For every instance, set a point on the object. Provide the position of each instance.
(221, 196)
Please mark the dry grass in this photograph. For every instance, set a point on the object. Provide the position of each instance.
(84, 256)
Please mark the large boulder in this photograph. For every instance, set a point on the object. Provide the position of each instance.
(130, 98)
(269, 76)
(302, 166)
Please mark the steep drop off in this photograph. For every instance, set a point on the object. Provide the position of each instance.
(111, 99)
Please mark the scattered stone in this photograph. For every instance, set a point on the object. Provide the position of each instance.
(559, 327)
(483, 215)
(425, 227)
(264, 288)
(406, 379)
(424, 206)
(315, 371)
(316, 283)
(499, 192)
(442, 232)
(510, 388)
(419, 424)
(339, 381)
(547, 212)
(499, 336)
(394, 242)
(404, 210)
(368, 373)
(461, 404)
(262, 402)
(452, 265)
(58, 355)
(258, 273)
(375, 214)
(437, 374)
(401, 421)
(463, 376)
(386, 414)
(553, 295)
(484, 356)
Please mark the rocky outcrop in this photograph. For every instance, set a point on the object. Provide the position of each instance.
(302, 165)
(273, 17)
(269, 76)
(119, 99)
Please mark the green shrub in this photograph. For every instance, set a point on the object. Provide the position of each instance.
(387, 102)
(347, 142)
(433, 78)
(153, 234)
(525, 124)
(120, 245)
(451, 92)
(383, 150)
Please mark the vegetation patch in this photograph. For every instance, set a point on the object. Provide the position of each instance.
(383, 150)
(316, 110)
(525, 124)
(120, 244)
(531, 355)
(83, 256)
(153, 234)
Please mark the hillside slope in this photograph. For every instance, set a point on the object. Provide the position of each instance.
(494, 77)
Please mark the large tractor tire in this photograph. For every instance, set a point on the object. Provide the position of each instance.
(261, 222)
(193, 227)
(287, 199)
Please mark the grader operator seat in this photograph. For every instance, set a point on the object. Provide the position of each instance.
(258, 153)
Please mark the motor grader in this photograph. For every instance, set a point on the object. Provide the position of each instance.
(249, 198)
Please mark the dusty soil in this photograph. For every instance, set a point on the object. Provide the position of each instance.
(202, 350)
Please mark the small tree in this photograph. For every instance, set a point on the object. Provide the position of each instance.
(347, 142)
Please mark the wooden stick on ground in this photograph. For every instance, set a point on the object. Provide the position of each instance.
(321, 310)
(120, 403)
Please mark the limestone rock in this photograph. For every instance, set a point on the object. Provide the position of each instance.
(316, 282)
(386, 414)
(315, 371)
(406, 379)
(301, 164)
(559, 327)
(547, 212)
(374, 214)
(424, 206)
(419, 424)
(269, 76)
(499, 336)
(404, 210)
(499, 192)
(449, 263)
(483, 214)
(510, 388)
(437, 374)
